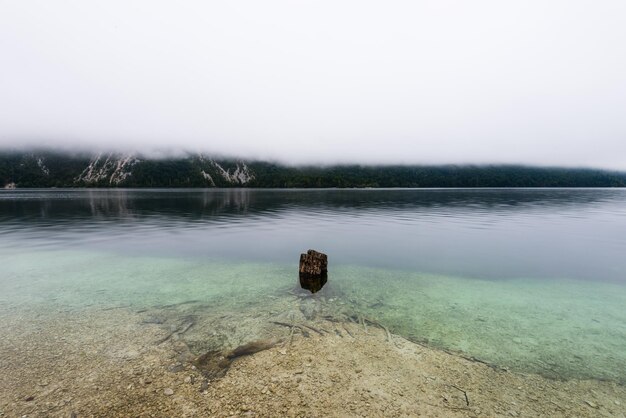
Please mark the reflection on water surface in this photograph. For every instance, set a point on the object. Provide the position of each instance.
(487, 233)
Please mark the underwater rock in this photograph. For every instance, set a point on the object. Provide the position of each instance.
(313, 270)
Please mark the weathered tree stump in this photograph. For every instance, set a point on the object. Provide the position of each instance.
(313, 270)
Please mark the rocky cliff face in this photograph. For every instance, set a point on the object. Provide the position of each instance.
(42, 166)
(111, 169)
(215, 173)
(240, 173)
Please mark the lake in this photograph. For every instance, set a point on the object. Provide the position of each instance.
(533, 280)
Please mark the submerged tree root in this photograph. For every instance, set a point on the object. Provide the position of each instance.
(347, 330)
(315, 329)
(173, 305)
(180, 331)
(467, 403)
(362, 321)
(214, 364)
(378, 324)
(304, 332)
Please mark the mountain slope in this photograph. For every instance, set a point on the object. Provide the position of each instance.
(55, 169)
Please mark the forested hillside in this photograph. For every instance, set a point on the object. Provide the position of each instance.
(55, 169)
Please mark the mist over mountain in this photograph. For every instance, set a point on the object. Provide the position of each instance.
(44, 168)
(320, 82)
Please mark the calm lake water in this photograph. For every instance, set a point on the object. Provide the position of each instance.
(529, 279)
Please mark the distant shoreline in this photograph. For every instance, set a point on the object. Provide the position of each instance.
(47, 169)
(151, 188)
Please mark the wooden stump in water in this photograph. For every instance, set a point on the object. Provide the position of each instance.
(313, 263)
(313, 270)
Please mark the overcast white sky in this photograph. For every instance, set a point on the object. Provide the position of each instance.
(537, 82)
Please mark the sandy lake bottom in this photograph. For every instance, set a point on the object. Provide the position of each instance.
(101, 334)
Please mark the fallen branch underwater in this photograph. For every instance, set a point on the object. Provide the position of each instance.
(347, 330)
(464, 393)
(315, 329)
(180, 330)
(378, 324)
(286, 324)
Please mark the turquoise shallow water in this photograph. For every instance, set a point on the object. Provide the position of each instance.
(558, 328)
(532, 281)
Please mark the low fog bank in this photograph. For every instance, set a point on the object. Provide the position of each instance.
(172, 153)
